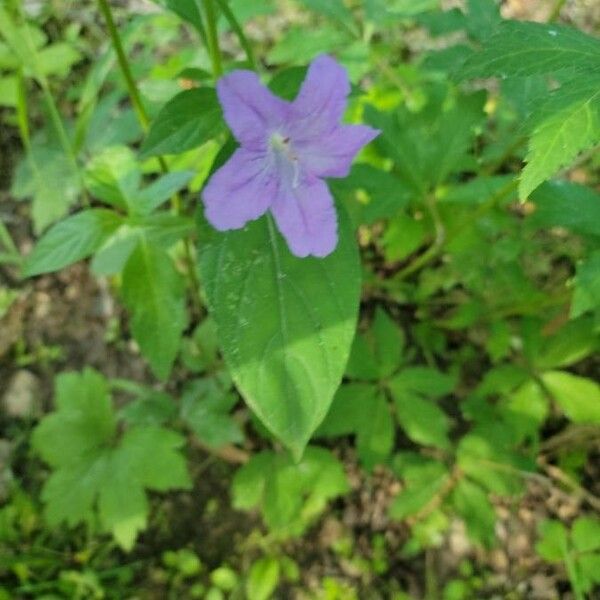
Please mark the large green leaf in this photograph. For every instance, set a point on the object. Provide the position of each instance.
(71, 240)
(560, 137)
(153, 293)
(187, 121)
(285, 324)
(520, 48)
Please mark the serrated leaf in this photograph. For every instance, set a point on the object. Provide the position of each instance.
(153, 293)
(83, 422)
(187, 121)
(71, 240)
(289, 494)
(92, 468)
(578, 397)
(523, 48)
(558, 140)
(285, 324)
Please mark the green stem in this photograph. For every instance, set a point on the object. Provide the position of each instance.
(434, 249)
(213, 39)
(238, 31)
(144, 121)
(132, 89)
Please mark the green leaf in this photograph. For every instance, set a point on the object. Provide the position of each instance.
(8, 91)
(114, 176)
(430, 145)
(578, 397)
(422, 420)
(587, 286)
(114, 253)
(334, 9)
(569, 205)
(83, 422)
(190, 119)
(573, 342)
(71, 240)
(290, 494)
(385, 12)
(146, 458)
(300, 45)
(23, 39)
(553, 543)
(159, 191)
(188, 10)
(586, 534)
(557, 140)
(425, 380)
(58, 59)
(205, 407)
(262, 579)
(388, 344)
(522, 48)
(474, 506)
(386, 193)
(362, 410)
(153, 293)
(150, 408)
(285, 324)
(423, 478)
(92, 468)
(46, 162)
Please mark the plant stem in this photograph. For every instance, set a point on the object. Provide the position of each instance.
(238, 31)
(213, 38)
(134, 94)
(144, 121)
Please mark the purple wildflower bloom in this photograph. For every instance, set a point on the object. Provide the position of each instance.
(286, 149)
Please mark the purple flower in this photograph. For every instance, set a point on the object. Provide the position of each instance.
(286, 149)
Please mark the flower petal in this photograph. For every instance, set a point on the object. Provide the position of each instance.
(321, 102)
(332, 155)
(306, 217)
(240, 191)
(250, 109)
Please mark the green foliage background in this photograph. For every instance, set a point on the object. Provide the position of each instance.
(451, 341)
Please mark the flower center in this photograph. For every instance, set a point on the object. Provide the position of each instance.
(285, 157)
